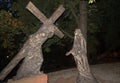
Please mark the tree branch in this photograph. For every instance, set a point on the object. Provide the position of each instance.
(74, 14)
(70, 36)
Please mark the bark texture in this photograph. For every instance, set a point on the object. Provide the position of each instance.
(34, 58)
(83, 17)
(79, 53)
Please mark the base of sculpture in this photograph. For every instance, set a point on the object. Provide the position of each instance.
(33, 79)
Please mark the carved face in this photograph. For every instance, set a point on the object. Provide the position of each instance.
(78, 32)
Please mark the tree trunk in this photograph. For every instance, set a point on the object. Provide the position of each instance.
(83, 17)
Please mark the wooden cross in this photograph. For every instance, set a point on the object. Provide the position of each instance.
(34, 10)
(45, 21)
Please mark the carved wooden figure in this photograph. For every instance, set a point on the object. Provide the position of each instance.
(32, 49)
(79, 52)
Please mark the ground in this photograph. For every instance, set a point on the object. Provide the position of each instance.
(104, 73)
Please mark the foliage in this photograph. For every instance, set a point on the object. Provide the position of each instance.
(103, 24)
(11, 32)
(48, 7)
(93, 29)
(110, 18)
(91, 1)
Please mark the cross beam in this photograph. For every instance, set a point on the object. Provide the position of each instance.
(34, 10)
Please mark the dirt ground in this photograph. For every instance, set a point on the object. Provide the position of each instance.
(104, 73)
